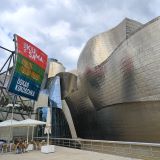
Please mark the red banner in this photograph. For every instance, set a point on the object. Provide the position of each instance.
(31, 52)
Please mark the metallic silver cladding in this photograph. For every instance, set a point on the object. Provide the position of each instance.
(101, 46)
(136, 121)
(68, 83)
(127, 75)
(54, 67)
(119, 84)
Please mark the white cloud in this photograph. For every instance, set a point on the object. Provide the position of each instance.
(22, 21)
(5, 39)
(154, 7)
(59, 31)
(71, 54)
(61, 27)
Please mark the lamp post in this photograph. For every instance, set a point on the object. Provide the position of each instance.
(11, 128)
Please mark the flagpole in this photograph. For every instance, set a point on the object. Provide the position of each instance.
(48, 139)
(48, 125)
(32, 132)
(11, 128)
(27, 133)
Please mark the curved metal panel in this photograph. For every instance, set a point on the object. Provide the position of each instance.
(68, 83)
(55, 67)
(118, 84)
(127, 75)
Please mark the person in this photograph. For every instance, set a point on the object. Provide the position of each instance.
(24, 146)
(19, 147)
(10, 145)
(1, 144)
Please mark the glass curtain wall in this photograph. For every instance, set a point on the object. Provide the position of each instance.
(60, 128)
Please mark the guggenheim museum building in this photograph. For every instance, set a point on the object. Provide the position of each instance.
(114, 94)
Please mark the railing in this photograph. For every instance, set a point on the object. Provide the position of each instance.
(65, 142)
(145, 151)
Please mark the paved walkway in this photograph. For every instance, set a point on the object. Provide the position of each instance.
(62, 153)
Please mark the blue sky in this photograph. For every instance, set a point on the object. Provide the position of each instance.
(61, 28)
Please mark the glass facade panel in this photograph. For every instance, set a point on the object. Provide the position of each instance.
(55, 93)
(60, 128)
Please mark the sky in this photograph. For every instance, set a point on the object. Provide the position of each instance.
(61, 28)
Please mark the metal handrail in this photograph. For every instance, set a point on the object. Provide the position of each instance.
(127, 149)
(107, 141)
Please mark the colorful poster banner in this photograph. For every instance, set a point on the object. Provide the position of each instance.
(29, 69)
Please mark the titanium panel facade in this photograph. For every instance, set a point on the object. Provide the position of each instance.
(118, 94)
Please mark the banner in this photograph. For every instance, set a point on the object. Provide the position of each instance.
(29, 69)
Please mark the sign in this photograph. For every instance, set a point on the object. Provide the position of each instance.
(29, 69)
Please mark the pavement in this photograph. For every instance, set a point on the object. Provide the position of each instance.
(62, 153)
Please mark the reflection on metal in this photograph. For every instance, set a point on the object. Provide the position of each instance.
(68, 83)
(69, 119)
(62, 123)
(118, 85)
(54, 67)
(54, 94)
